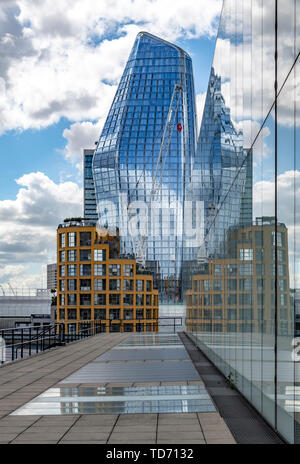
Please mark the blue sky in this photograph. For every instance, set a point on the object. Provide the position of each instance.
(59, 71)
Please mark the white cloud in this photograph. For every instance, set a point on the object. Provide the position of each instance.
(60, 63)
(81, 135)
(200, 102)
(28, 223)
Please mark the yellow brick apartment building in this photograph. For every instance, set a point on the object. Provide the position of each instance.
(97, 287)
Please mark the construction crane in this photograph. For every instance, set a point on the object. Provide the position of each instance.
(140, 248)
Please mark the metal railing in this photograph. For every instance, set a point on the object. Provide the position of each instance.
(22, 342)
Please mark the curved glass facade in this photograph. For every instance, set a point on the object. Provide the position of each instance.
(126, 156)
(243, 290)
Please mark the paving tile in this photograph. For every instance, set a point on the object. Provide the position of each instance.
(180, 441)
(86, 435)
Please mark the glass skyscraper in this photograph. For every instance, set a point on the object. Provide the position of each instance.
(89, 195)
(241, 300)
(220, 160)
(126, 157)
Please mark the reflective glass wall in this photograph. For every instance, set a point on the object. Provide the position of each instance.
(242, 290)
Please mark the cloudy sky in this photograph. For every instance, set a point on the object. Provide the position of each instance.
(60, 63)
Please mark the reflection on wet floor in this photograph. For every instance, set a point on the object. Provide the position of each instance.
(119, 400)
(149, 358)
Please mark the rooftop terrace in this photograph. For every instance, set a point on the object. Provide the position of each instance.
(112, 388)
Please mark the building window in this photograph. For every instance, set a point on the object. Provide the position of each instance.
(128, 314)
(218, 269)
(62, 270)
(280, 255)
(206, 300)
(72, 239)
(85, 300)
(245, 299)
(259, 254)
(139, 300)
(128, 327)
(260, 284)
(99, 255)
(218, 314)
(85, 238)
(61, 314)
(148, 300)
(283, 299)
(139, 285)
(128, 285)
(148, 286)
(62, 285)
(128, 270)
(281, 270)
(85, 285)
(139, 314)
(62, 240)
(85, 255)
(231, 299)
(206, 285)
(72, 255)
(72, 314)
(100, 299)
(72, 270)
(282, 284)
(245, 269)
(72, 299)
(114, 284)
(260, 299)
(217, 300)
(99, 284)
(114, 314)
(114, 299)
(99, 314)
(231, 270)
(231, 314)
(99, 269)
(279, 238)
(62, 299)
(231, 284)
(259, 238)
(260, 269)
(218, 284)
(246, 254)
(245, 284)
(115, 269)
(85, 269)
(85, 314)
(128, 299)
(62, 255)
(72, 285)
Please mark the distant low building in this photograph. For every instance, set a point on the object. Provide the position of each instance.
(23, 307)
(52, 276)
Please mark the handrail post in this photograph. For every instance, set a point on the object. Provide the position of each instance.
(12, 345)
(22, 341)
(29, 336)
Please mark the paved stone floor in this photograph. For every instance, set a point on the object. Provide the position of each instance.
(22, 381)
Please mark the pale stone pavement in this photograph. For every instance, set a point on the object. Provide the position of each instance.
(23, 380)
